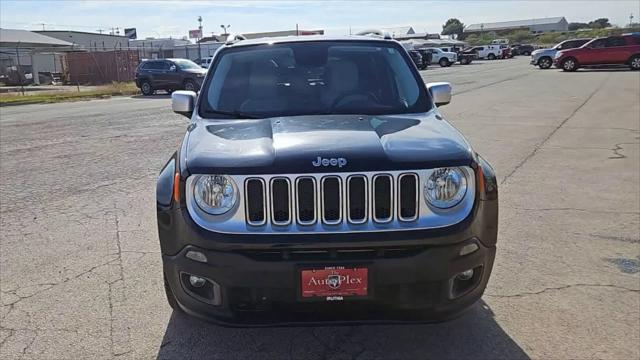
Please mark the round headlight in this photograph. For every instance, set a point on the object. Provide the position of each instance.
(215, 194)
(445, 187)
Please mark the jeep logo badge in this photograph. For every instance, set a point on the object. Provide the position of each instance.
(320, 161)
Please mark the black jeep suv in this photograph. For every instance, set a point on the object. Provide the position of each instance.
(318, 181)
(168, 75)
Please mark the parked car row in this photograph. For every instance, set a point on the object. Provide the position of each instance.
(543, 58)
(570, 55)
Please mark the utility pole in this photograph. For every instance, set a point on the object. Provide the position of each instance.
(199, 38)
(100, 31)
(43, 24)
(630, 19)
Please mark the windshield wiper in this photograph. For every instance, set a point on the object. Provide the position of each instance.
(234, 114)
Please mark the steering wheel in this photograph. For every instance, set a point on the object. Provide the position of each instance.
(342, 98)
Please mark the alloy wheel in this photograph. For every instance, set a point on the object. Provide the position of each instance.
(545, 63)
(569, 64)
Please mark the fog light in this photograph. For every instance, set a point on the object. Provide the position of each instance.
(468, 249)
(196, 256)
(198, 282)
(465, 275)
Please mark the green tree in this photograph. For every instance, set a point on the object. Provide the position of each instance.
(453, 26)
(578, 25)
(599, 23)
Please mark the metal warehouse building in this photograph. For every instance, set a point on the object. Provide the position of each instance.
(536, 26)
(89, 41)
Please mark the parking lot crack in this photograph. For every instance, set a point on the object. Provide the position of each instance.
(524, 294)
(48, 286)
(116, 295)
(558, 127)
(579, 210)
(616, 150)
(492, 83)
(609, 237)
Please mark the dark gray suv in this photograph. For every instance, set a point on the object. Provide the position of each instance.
(169, 75)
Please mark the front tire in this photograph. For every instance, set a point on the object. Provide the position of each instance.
(146, 88)
(444, 62)
(544, 62)
(634, 62)
(491, 57)
(464, 61)
(569, 64)
(190, 85)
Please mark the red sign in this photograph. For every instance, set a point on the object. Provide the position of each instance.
(195, 34)
(334, 283)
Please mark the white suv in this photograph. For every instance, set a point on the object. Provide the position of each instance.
(444, 58)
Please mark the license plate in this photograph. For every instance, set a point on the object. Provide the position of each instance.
(334, 283)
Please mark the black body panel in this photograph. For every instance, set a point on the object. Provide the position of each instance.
(291, 144)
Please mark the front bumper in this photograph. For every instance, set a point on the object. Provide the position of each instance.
(257, 290)
(411, 273)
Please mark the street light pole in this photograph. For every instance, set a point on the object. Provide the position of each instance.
(224, 28)
(199, 38)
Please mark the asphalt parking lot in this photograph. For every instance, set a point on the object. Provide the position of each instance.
(80, 268)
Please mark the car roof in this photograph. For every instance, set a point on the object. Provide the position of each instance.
(304, 38)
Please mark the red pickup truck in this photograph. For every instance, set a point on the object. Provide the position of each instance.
(619, 50)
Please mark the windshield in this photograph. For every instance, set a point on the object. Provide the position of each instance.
(186, 64)
(310, 78)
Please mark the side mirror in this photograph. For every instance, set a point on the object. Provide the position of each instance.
(440, 92)
(173, 68)
(183, 102)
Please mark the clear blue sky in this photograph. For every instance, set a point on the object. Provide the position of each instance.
(175, 18)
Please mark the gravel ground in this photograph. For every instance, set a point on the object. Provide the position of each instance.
(80, 269)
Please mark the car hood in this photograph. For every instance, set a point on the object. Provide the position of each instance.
(293, 144)
(195, 71)
(542, 51)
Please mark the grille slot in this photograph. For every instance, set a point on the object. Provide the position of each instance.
(331, 200)
(357, 199)
(382, 198)
(408, 197)
(306, 200)
(280, 201)
(256, 203)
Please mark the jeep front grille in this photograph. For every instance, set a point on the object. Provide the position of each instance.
(331, 203)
